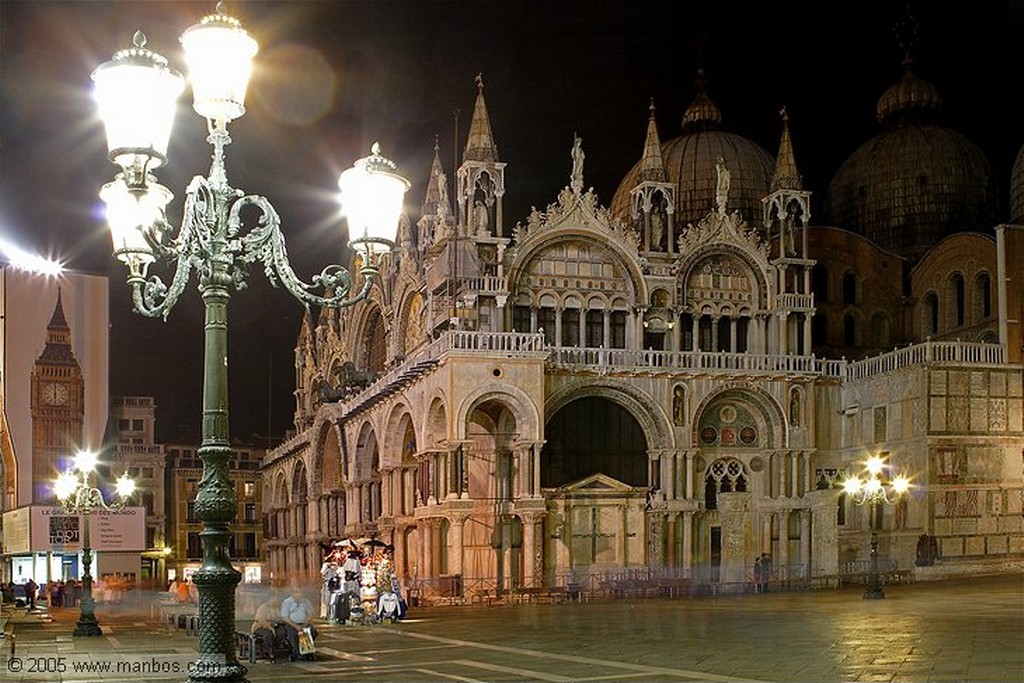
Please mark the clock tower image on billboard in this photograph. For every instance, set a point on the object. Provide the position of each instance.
(58, 405)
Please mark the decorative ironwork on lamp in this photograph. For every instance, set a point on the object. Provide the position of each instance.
(76, 493)
(875, 489)
(137, 91)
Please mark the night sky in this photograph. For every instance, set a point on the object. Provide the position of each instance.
(333, 77)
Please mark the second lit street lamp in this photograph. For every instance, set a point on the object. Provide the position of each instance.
(874, 490)
(136, 93)
(75, 491)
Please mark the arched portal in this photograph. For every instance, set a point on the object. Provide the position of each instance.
(491, 548)
(593, 435)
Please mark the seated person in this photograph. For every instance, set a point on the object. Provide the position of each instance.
(267, 626)
(296, 613)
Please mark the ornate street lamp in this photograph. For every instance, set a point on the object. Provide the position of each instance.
(75, 491)
(874, 490)
(136, 92)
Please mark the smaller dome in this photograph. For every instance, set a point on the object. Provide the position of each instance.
(910, 96)
(702, 114)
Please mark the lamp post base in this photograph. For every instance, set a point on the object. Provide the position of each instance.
(87, 627)
(874, 594)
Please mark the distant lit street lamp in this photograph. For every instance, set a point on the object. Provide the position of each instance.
(220, 238)
(874, 490)
(75, 491)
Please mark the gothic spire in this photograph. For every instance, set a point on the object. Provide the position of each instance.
(480, 145)
(786, 176)
(652, 167)
(57, 320)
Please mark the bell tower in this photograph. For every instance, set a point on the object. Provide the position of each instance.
(58, 405)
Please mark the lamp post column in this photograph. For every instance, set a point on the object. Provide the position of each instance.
(87, 624)
(216, 505)
(874, 589)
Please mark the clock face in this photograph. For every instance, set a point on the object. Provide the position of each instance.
(55, 394)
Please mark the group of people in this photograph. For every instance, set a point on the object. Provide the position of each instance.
(57, 593)
(762, 572)
(184, 591)
(285, 621)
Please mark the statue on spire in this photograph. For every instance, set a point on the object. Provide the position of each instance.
(724, 180)
(577, 165)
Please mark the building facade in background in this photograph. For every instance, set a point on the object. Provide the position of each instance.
(675, 383)
(246, 542)
(132, 448)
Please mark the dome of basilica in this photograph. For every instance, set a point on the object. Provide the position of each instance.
(917, 181)
(690, 161)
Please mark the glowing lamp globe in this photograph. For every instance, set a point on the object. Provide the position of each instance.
(136, 94)
(372, 192)
(132, 213)
(219, 54)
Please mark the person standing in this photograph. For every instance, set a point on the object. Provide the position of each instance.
(758, 576)
(184, 594)
(766, 571)
(31, 589)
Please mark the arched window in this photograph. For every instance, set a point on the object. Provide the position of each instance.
(618, 330)
(571, 327)
(704, 330)
(595, 329)
(375, 342)
(724, 476)
(957, 291)
(546, 322)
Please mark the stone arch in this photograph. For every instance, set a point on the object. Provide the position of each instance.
(769, 419)
(364, 453)
(327, 457)
(435, 427)
(982, 299)
(280, 494)
(759, 281)
(592, 436)
(956, 300)
(370, 338)
(300, 482)
(413, 330)
(517, 401)
(625, 259)
(399, 423)
(654, 420)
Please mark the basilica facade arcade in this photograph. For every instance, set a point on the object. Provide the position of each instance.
(663, 387)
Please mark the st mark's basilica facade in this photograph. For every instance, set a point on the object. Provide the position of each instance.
(672, 385)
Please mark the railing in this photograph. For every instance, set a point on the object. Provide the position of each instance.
(795, 301)
(631, 359)
(502, 342)
(506, 343)
(928, 352)
(601, 360)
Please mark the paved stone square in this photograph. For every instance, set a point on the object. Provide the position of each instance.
(943, 632)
